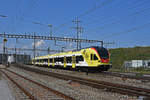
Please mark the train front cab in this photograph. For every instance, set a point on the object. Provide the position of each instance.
(97, 58)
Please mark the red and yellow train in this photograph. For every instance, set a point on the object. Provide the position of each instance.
(92, 58)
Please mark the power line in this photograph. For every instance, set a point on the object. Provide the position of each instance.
(138, 4)
(104, 17)
(95, 8)
(87, 12)
(127, 31)
(141, 11)
(119, 20)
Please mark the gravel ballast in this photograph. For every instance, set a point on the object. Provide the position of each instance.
(75, 90)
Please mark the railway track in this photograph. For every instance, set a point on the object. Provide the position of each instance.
(143, 78)
(124, 76)
(111, 87)
(34, 90)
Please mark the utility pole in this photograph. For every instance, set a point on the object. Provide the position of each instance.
(78, 29)
(4, 49)
(4, 45)
(15, 55)
(34, 48)
(81, 31)
(16, 50)
(50, 26)
(48, 50)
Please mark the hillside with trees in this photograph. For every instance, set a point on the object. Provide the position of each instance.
(119, 55)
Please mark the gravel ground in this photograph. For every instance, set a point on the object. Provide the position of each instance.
(101, 77)
(0, 76)
(5, 91)
(15, 91)
(37, 91)
(75, 90)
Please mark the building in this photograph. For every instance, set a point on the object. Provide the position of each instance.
(17, 58)
(137, 63)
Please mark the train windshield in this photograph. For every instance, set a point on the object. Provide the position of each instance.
(102, 52)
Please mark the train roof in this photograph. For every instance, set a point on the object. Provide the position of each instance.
(96, 47)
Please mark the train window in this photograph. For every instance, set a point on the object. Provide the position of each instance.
(103, 53)
(62, 60)
(91, 56)
(55, 59)
(33, 60)
(79, 58)
(50, 60)
(45, 60)
(37, 60)
(69, 59)
(58, 59)
(95, 57)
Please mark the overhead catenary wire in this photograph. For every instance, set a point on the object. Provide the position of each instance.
(119, 20)
(95, 7)
(110, 16)
(139, 3)
(86, 13)
(127, 31)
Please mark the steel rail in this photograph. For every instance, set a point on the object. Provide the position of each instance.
(119, 88)
(45, 87)
(20, 87)
(123, 75)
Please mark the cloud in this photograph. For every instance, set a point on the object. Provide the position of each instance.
(38, 43)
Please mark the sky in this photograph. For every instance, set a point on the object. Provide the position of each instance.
(125, 23)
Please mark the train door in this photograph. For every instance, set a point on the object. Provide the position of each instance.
(33, 61)
(48, 62)
(94, 59)
(65, 62)
(39, 61)
(73, 61)
(42, 63)
(53, 62)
